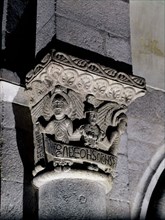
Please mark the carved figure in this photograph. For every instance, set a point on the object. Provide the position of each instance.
(113, 140)
(61, 127)
(101, 117)
(54, 116)
(106, 122)
(116, 135)
(91, 132)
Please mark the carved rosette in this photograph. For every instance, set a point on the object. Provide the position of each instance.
(78, 112)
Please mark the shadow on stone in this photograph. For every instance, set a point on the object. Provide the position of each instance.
(157, 203)
(24, 137)
(20, 37)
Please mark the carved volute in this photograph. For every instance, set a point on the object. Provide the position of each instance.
(78, 111)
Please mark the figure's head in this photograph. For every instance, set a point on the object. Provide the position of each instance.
(92, 117)
(91, 114)
(59, 105)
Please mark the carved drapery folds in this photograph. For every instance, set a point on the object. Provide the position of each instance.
(78, 111)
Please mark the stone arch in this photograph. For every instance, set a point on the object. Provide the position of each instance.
(147, 184)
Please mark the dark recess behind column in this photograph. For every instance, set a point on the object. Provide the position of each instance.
(20, 37)
(1, 14)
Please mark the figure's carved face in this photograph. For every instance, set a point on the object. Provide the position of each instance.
(59, 106)
(92, 117)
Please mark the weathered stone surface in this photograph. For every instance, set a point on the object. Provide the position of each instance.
(11, 164)
(45, 13)
(139, 156)
(118, 209)
(45, 34)
(12, 93)
(118, 48)
(140, 151)
(120, 188)
(72, 199)
(11, 200)
(136, 171)
(9, 76)
(80, 35)
(123, 144)
(99, 27)
(8, 115)
(142, 130)
(14, 113)
(110, 16)
(145, 134)
(1, 110)
(45, 23)
(147, 40)
(150, 107)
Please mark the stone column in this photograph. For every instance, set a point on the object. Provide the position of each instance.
(72, 199)
(78, 110)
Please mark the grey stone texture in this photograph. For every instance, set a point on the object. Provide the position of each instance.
(9, 76)
(98, 14)
(45, 25)
(11, 200)
(117, 209)
(100, 26)
(80, 35)
(16, 157)
(147, 40)
(146, 133)
(12, 167)
(72, 199)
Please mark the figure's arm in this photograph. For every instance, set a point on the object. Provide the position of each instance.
(74, 136)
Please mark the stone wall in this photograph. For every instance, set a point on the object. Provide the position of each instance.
(99, 26)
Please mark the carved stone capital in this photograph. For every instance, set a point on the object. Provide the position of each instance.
(78, 111)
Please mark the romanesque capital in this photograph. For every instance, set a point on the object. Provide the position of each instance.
(78, 110)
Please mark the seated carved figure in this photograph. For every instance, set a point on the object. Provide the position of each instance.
(91, 132)
(61, 127)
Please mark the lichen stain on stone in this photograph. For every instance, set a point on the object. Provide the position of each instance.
(150, 47)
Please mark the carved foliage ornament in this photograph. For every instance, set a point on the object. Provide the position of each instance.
(78, 111)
